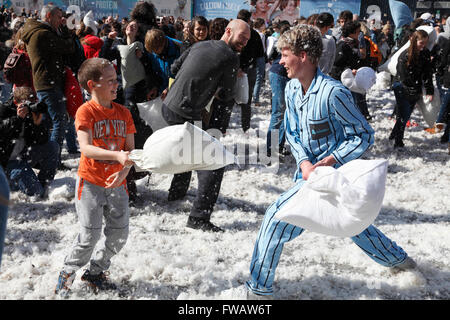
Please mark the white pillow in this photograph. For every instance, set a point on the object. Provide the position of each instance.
(430, 110)
(242, 89)
(131, 67)
(339, 202)
(150, 112)
(365, 78)
(181, 148)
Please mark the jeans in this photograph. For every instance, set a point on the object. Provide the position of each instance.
(54, 98)
(71, 137)
(5, 89)
(361, 103)
(260, 75)
(4, 197)
(443, 116)
(21, 175)
(273, 234)
(278, 84)
(405, 105)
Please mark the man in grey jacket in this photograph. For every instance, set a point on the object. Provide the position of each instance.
(205, 71)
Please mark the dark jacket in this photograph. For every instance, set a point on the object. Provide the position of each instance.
(347, 56)
(46, 50)
(443, 63)
(417, 74)
(254, 49)
(11, 127)
(206, 69)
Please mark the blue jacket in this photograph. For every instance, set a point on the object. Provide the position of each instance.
(161, 63)
(325, 121)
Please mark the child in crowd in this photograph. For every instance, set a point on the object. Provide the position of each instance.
(105, 133)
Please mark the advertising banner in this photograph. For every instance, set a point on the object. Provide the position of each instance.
(309, 7)
(211, 9)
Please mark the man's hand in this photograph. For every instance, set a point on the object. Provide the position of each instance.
(429, 98)
(164, 94)
(307, 167)
(22, 111)
(112, 35)
(325, 162)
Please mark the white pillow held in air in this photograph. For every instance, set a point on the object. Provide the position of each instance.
(339, 202)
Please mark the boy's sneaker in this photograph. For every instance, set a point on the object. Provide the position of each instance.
(98, 282)
(65, 280)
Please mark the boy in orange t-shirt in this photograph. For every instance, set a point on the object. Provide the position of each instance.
(105, 133)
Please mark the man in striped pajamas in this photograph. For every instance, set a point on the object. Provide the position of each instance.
(324, 128)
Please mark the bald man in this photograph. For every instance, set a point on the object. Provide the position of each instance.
(206, 70)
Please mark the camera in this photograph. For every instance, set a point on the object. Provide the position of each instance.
(37, 107)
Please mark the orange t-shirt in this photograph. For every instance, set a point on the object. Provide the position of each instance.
(109, 129)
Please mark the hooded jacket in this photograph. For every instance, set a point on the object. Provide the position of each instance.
(92, 46)
(46, 49)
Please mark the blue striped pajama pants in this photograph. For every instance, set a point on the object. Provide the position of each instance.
(274, 233)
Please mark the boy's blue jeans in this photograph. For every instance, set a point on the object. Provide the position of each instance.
(273, 234)
(20, 171)
(4, 193)
(277, 84)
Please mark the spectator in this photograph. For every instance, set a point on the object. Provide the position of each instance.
(344, 17)
(198, 31)
(325, 22)
(47, 42)
(250, 55)
(25, 144)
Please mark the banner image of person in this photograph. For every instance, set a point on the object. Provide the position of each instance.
(176, 8)
(275, 10)
(309, 7)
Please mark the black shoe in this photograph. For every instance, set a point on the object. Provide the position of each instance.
(392, 136)
(368, 117)
(98, 282)
(173, 196)
(202, 224)
(399, 144)
(135, 201)
(63, 167)
(445, 138)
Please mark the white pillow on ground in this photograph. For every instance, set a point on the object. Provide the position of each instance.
(391, 64)
(150, 112)
(181, 148)
(339, 202)
(430, 110)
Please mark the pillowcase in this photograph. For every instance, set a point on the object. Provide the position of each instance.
(338, 202)
(131, 67)
(181, 148)
(151, 113)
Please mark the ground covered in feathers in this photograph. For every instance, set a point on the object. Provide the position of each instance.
(165, 260)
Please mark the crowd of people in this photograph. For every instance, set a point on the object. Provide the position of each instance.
(189, 64)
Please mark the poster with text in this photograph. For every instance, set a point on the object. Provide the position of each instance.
(227, 9)
(309, 7)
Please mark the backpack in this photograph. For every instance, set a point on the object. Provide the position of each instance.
(15, 67)
(374, 50)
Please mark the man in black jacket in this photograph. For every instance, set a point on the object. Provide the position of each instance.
(206, 70)
(248, 63)
(24, 143)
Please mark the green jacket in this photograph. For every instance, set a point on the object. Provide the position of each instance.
(46, 50)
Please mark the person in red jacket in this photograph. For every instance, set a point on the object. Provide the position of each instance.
(91, 43)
